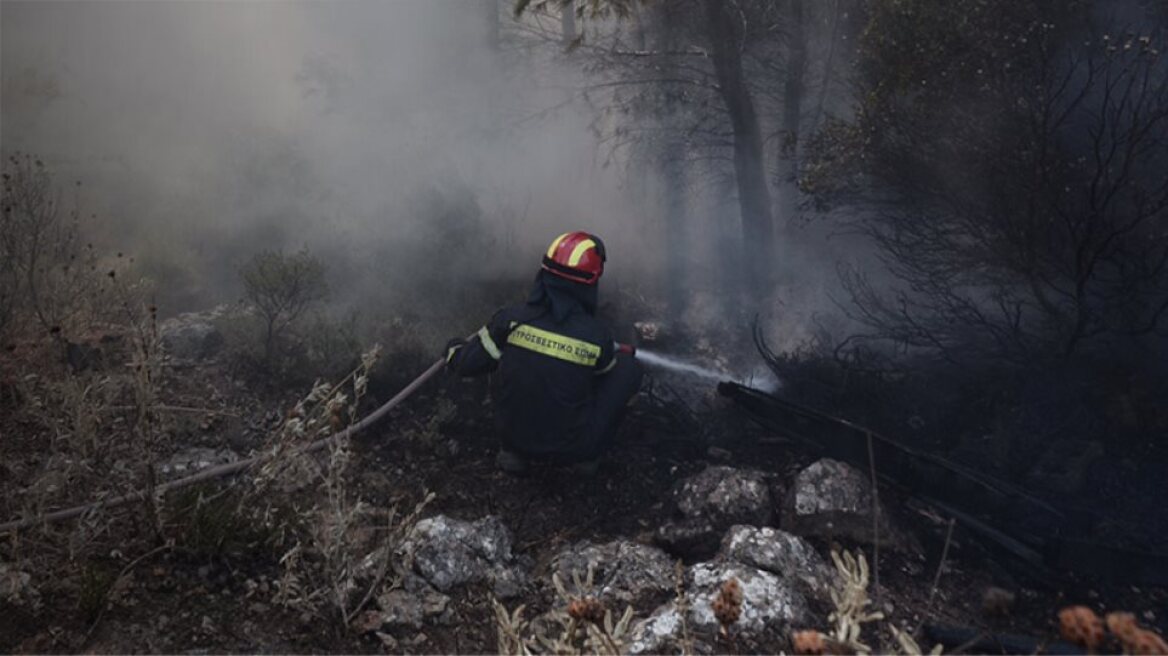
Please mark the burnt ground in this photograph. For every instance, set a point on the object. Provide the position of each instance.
(198, 601)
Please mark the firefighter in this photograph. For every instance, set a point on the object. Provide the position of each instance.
(561, 384)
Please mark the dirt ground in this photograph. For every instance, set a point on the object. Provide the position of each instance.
(181, 601)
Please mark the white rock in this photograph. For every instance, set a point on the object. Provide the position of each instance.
(448, 553)
(832, 499)
(782, 554)
(656, 633)
(624, 572)
(767, 600)
(721, 493)
(710, 502)
(831, 486)
(769, 604)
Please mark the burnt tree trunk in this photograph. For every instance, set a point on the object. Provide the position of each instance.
(671, 160)
(754, 197)
(793, 89)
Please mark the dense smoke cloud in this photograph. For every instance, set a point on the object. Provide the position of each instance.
(205, 131)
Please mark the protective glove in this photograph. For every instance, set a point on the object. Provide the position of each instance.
(452, 348)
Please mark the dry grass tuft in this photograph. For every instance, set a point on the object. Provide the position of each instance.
(851, 613)
(851, 601)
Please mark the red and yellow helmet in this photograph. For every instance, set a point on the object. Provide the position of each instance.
(576, 256)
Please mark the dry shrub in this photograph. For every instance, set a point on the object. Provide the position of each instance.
(82, 363)
(282, 332)
(330, 565)
(281, 288)
(85, 428)
(94, 432)
(87, 433)
(49, 278)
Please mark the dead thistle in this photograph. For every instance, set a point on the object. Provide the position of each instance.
(1133, 638)
(1081, 626)
(728, 605)
(586, 609)
(1146, 641)
(587, 627)
(1119, 624)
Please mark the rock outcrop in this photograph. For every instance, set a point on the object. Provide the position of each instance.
(623, 572)
(711, 502)
(782, 554)
(770, 605)
(448, 553)
(831, 499)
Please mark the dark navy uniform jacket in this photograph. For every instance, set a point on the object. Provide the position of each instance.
(545, 355)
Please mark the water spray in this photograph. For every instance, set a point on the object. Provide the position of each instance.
(673, 364)
(762, 379)
(666, 362)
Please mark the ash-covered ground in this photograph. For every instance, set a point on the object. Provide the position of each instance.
(696, 494)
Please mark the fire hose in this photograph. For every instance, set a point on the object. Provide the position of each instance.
(227, 469)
